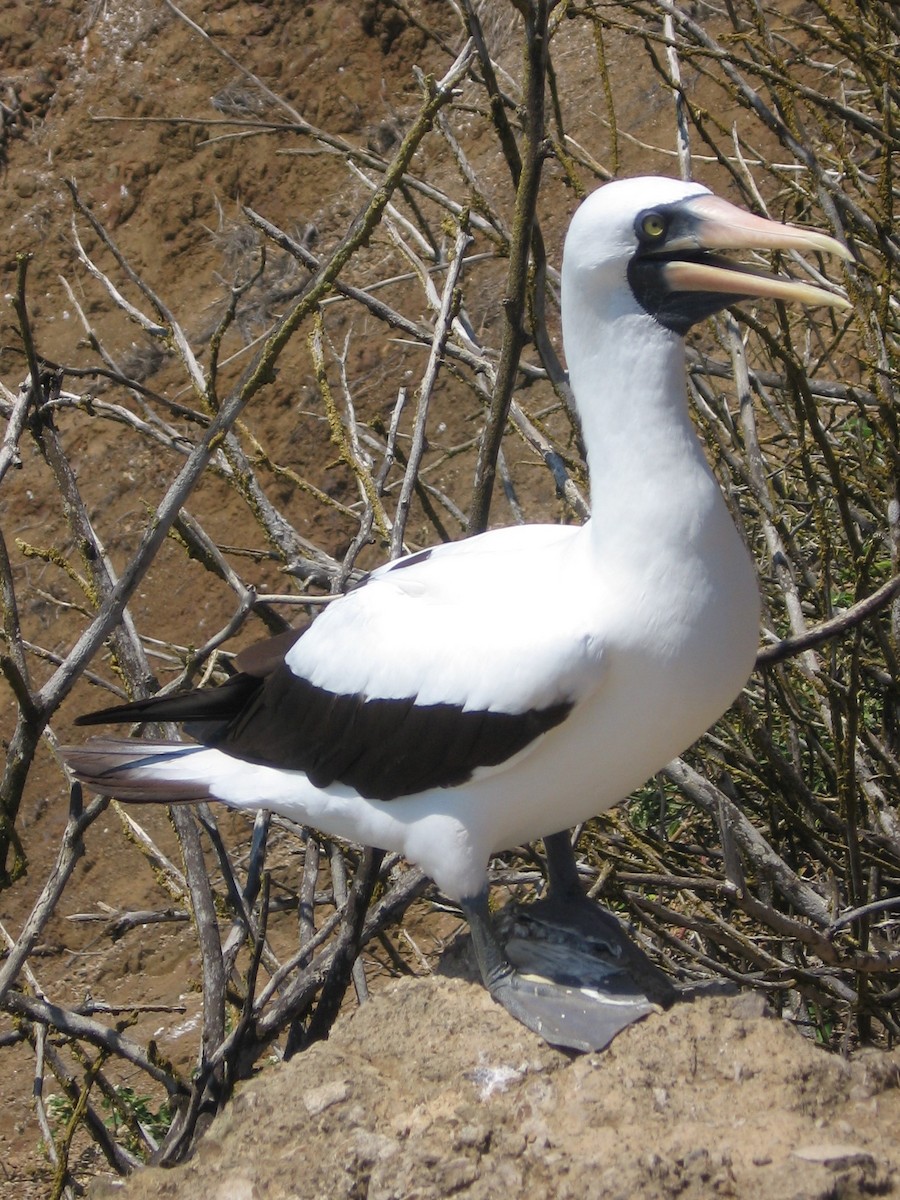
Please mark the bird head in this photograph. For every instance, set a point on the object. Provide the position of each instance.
(659, 243)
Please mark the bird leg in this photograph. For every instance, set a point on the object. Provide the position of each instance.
(562, 870)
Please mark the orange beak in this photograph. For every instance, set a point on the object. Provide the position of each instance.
(718, 225)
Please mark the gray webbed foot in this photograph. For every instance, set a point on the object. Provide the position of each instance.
(566, 970)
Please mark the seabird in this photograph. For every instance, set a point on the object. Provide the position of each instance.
(489, 692)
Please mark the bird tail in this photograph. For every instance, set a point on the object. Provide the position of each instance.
(163, 772)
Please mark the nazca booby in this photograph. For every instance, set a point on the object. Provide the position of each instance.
(449, 706)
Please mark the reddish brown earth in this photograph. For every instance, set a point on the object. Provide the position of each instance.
(430, 1090)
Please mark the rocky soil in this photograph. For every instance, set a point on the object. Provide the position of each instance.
(431, 1090)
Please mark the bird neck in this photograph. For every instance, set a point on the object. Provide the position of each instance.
(649, 478)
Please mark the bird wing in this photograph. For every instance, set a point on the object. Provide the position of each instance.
(438, 664)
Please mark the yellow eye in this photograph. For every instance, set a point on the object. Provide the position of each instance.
(653, 226)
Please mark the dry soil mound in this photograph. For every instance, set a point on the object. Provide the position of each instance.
(431, 1090)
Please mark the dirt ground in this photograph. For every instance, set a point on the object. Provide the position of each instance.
(430, 1090)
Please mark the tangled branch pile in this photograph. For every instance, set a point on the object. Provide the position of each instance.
(771, 854)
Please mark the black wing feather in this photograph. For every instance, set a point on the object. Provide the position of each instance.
(383, 748)
(216, 704)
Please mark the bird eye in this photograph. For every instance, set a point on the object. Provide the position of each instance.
(652, 226)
